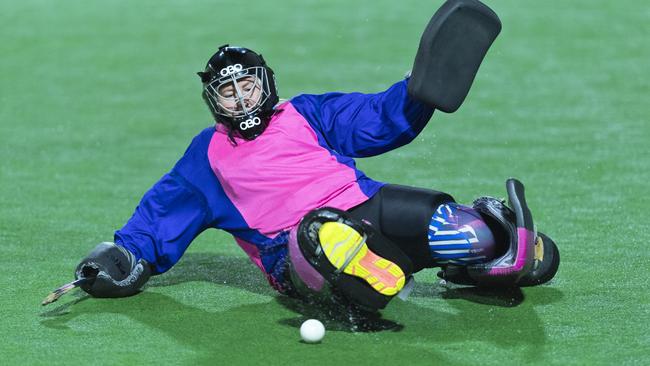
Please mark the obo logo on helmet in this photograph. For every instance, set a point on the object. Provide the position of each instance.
(250, 123)
(231, 69)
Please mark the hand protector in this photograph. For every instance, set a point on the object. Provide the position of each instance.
(451, 50)
(115, 270)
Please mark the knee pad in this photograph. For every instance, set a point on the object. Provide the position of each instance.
(320, 264)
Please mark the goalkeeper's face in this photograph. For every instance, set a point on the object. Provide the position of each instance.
(242, 96)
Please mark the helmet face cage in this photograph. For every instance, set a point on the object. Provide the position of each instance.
(236, 105)
(240, 91)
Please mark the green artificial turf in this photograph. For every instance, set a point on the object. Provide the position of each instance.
(99, 99)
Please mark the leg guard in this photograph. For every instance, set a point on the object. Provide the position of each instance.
(527, 259)
(451, 50)
(332, 252)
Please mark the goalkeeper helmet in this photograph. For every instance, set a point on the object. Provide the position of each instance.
(239, 89)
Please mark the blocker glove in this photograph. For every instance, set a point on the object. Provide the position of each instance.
(114, 270)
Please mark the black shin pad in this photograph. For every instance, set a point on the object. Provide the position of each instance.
(402, 214)
(451, 50)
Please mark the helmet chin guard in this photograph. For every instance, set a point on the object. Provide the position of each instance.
(239, 89)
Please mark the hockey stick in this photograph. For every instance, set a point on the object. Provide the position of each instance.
(54, 295)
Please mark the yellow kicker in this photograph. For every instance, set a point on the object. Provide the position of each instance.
(339, 242)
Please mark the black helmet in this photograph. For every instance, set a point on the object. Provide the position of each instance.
(244, 111)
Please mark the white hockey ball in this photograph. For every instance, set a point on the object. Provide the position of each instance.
(312, 331)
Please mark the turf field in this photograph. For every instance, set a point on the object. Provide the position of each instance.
(99, 99)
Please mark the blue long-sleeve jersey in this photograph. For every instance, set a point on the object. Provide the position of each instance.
(257, 190)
